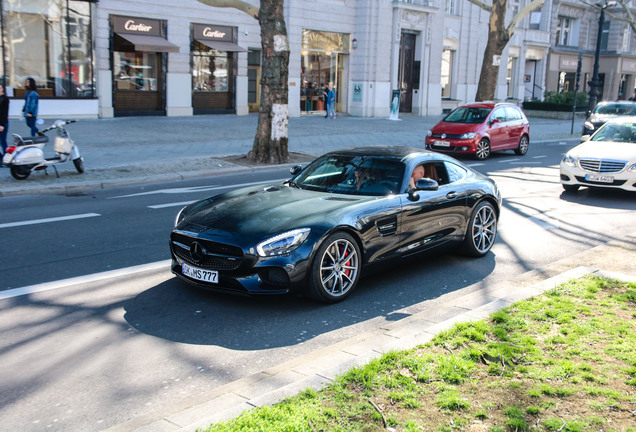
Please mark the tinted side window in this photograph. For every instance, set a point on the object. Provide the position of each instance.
(455, 172)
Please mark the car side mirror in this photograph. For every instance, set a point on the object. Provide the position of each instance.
(494, 121)
(585, 138)
(295, 169)
(424, 184)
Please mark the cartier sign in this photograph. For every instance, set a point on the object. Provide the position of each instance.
(213, 32)
(135, 25)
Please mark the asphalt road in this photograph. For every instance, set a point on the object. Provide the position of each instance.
(109, 347)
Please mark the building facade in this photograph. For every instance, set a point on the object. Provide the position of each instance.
(108, 58)
(575, 31)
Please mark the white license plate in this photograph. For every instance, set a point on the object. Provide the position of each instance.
(599, 178)
(442, 143)
(200, 274)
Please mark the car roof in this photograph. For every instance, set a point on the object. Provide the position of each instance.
(401, 153)
(489, 105)
(622, 119)
(620, 102)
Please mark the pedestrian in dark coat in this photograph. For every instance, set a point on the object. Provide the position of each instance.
(4, 120)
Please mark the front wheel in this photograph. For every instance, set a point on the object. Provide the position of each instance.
(524, 144)
(79, 164)
(483, 149)
(21, 172)
(335, 270)
(482, 230)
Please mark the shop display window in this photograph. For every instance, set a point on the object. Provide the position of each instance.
(136, 71)
(49, 41)
(211, 69)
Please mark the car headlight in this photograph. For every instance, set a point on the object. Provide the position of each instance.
(632, 168)
(468, 135)
(282, 244)
(588, 125)
(569, 160)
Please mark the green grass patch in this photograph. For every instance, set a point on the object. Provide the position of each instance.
(563, 361)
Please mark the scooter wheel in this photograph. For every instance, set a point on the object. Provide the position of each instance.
(20, 172)
(79, 164)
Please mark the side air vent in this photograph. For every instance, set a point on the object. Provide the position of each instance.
(387, 226)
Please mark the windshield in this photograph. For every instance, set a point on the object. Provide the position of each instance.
(468, 115)
(352, 175)
(616, 109)
(616, 132)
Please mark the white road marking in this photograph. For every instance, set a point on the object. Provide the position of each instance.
(177, 204)
(475, 164)
(507, 160)
(47, 286)
(522, 163)
(539, 157)
(47, 220)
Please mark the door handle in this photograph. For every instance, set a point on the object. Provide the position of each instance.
(451, 195)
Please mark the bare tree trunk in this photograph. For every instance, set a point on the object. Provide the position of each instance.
(270, 142)
(498, 37)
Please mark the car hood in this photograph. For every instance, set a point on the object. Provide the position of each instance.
(605, 150)
(454, 128)
(252, 214)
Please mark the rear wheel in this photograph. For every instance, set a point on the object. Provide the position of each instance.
(335, 270)
(482, 230)
(483, 149)
(524, 144)
(79, 164)
(21, 172)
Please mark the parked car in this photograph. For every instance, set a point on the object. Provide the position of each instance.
(481, 128)
(605, 111)
(607, 159)
(316, 233)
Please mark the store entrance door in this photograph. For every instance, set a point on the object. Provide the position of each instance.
(406, 75)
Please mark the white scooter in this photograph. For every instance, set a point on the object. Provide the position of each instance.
(27, 153)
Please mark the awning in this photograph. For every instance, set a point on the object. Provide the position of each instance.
(222, 46)
(149, 43)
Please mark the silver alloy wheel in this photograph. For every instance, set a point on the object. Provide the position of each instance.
(484, 229)
(523, 146)
(339, 266)
(483, 149)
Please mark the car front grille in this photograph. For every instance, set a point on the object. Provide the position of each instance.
(602, 165)
(446, 136)
(212, 255)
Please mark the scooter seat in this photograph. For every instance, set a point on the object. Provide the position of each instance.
(35, 140)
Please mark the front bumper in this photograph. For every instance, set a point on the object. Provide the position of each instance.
(457, 146)
(575, 176)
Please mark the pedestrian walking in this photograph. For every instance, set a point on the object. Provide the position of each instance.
(30, 110)
(4, 120)
(325, 98)
(633, 98)
(331, 102)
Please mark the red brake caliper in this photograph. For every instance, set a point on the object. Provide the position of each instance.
(347, 272)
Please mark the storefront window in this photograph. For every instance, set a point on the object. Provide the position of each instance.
(49, 41)
(321, 64)
(210, 69)
(136, 70)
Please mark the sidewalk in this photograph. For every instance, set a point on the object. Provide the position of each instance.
(135, 150)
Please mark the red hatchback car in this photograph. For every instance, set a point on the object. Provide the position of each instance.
(480, 129)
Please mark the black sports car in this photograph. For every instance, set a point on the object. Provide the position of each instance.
(315, 233)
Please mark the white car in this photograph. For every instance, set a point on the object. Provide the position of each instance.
(607, 159)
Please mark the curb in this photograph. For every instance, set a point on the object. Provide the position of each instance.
(319, 368)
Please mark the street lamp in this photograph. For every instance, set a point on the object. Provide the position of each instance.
(595, 83)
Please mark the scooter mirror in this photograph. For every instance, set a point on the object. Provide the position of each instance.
(39, 121)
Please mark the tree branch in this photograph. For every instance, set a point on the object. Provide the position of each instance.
(246, 6)
(536, 4)
(484, 6)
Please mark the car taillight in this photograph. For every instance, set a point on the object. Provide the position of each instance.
(10, 149)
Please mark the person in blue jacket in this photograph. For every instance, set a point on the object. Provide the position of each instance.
(4, 120)
(30, 110)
